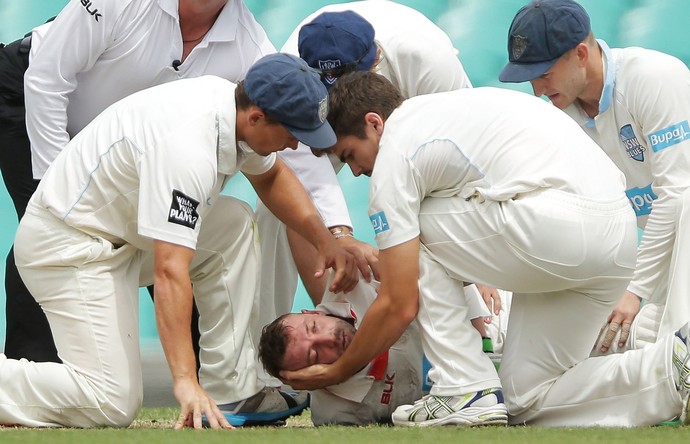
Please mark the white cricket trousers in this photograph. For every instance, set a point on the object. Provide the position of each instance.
(88, 289)
(568, 261)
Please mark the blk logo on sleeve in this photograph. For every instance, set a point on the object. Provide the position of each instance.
(183, 210)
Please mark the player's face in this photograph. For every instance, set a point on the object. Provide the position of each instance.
(266, 138)
(315, 338)
(563, 82)
(359, 154)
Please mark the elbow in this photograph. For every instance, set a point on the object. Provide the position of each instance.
(408, 313)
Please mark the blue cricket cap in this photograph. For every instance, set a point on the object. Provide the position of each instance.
(335, 43)
(285, 87)
(540, 34)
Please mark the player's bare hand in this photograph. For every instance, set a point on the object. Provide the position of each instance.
(366, 257)
(492, 299)
(621, 320)
(310, 378)
(333, 255)
(194, 403)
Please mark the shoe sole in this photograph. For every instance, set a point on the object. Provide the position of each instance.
(262, 419)
(498, 415)
(266, 418)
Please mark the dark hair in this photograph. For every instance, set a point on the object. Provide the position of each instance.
(272, 345)
(356, 94)
(243, 102)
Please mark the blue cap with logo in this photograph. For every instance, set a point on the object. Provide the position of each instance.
(335, 43)
(285, 87)
(540, 34)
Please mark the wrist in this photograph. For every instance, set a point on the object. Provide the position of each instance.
(341, 231)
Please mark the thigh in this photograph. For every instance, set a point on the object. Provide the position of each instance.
(548, 334)
(536, 244)
(89, 291)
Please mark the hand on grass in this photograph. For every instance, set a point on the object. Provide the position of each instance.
(195, 402)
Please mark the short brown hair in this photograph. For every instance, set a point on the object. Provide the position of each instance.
(243, 102)
(356, 94)
(272, 346)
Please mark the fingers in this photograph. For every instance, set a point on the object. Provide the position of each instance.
(611, 333)
(215, 417)
(222, 420)
(181, 420)
(375, 269)
(346, 276)
(363, 267)
(193, 411)
(625, 333)
(197, 421)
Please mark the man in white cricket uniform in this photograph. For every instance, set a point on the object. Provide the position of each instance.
(91, 56)
(635, 103)
(125, 205)
(496, 186)
(399, 43)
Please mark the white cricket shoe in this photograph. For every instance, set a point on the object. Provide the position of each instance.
(474, 409)
(681, 365)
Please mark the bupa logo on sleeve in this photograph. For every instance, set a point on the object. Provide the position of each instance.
(641, 199)
(672, 135)
(379, 222)
(183, 210)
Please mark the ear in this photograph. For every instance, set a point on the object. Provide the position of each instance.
(375, 122)
(305, 311)
(254, 116)
(582, 52)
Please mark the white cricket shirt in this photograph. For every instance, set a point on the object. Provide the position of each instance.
(151, 165)
(96, 53)
(643, 126)
(418, 58)
(487, 143)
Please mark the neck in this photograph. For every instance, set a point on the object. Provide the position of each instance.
(591, 95)
(197, 17)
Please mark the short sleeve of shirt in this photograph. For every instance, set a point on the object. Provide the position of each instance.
(176, 187)
(395, 197)
(403, 177)
(251, 163)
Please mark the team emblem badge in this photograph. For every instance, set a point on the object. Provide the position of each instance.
(327, 65)
(632, 146)
(323, 109)
(518, 46)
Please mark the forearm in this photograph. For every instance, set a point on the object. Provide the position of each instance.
(655, 250)
(173, 302)
(381, 327)
(394, 308)
(173, 308)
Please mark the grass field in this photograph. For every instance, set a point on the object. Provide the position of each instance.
(154, 426)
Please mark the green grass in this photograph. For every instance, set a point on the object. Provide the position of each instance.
(154, 426)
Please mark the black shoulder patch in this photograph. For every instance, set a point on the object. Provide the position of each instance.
(183, 210)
